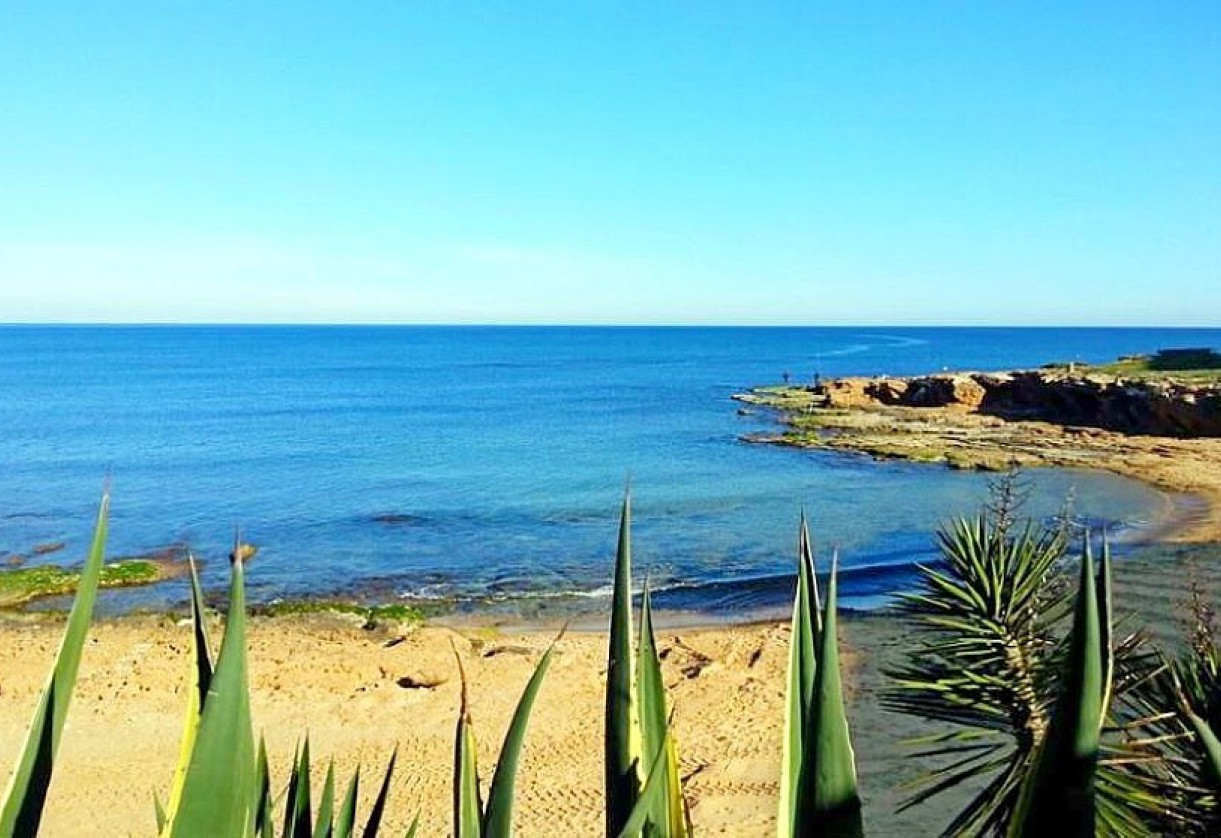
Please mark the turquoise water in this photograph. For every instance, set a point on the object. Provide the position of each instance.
(487, 464)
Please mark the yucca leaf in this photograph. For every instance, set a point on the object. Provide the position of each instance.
(345, 821)
(799, 690)
(1058, 797)
(31, 779)
(201, 680)
(498, 817)
(415, 826)
(379, 805)
(1209, 743)
(219, 795)
(827, 799)
(621, 735)
(468, 807)
(324, 825)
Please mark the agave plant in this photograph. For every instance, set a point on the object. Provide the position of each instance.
(219, 786)
(472, 817)
(818, 793)
(643, 789)
(298, 820)
(27, 791)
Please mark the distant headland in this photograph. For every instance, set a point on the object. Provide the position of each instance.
(1155, 418)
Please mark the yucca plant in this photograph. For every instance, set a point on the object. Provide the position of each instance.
(643, 789)
(1058, 796)
(30, 783)
(818, 791)
(990, 660)
(472, 817)
(1183, 705)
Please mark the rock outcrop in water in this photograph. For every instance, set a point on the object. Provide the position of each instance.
(1156, 408)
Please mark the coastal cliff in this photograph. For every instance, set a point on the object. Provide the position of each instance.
(1153, 407)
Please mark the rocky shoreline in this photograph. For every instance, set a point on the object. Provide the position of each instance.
(1162, 431)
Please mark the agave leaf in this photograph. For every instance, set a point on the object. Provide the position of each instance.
(31, 779)
(345, 822)
(621, 737)
(799, 679)
(651, 699)
(263, 825)
(219, 794)
(468, 807)
(1058, 797)
(201, 680)
(646, 802)
(324, 825)
(379, 805)
(158, 811)
(676, 805)
(297, 803)
(498, 817)
(827, 799)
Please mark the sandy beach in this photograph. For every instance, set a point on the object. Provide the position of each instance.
(359, 693)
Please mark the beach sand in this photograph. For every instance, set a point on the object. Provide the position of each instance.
(350, 689)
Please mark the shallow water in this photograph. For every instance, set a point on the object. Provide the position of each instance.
(486, 463)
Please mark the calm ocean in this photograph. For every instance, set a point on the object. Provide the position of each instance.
(487, 463)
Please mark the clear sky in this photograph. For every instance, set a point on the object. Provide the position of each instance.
(572, 162)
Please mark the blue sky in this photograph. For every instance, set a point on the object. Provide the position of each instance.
(855, 163)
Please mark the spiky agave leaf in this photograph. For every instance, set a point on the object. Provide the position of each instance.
(799, 690)
(827, 798)
(201, 680)
(325, 823)
(468, 805)
(667, 810)
(345, 819)
(621, 734)
(263, 825)
(219, 794)
(498, 817)
(651, 699)
(379, 804)
(1058, 797)
(31, 779)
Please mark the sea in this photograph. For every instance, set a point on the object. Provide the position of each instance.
(482, 468)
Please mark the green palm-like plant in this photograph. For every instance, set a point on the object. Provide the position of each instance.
(1058, 795)
(984, 662)
(993, 661)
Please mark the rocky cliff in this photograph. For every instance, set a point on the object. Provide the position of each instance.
(1158, 408)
